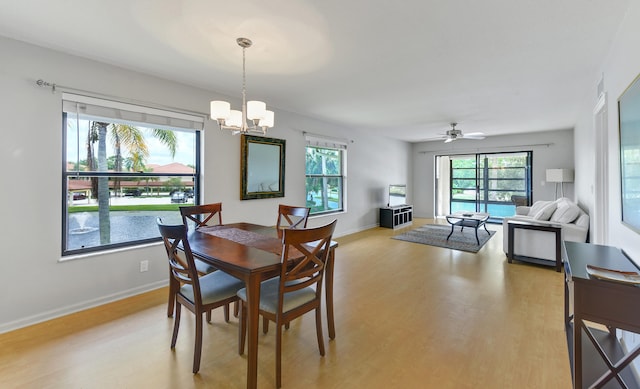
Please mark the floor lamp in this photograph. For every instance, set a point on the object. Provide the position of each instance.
(559, 176)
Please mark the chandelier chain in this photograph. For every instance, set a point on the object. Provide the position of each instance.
(244, 89)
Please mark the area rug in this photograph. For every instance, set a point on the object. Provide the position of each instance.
(436, 235)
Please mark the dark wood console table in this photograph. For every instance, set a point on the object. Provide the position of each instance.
(531, 225)
(598, 360)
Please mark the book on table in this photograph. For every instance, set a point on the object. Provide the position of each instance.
(627, 277)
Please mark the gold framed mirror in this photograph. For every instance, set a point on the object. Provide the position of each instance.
(261, 167)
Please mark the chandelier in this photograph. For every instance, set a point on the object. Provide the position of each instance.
(254, 117)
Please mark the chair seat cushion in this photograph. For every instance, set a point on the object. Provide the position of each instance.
(214, 287)
(203, 267)
(269, 296)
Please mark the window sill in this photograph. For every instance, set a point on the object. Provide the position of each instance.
(319, 215)
(106, 252)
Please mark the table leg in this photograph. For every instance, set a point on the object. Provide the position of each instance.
(452, 227)
(510, 244)
(253, 316)
(477, 240)
(329, 293)
(558, 250)
(577, 350)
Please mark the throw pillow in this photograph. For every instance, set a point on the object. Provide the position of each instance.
(546, 212)
(566, 214)
(537, 207)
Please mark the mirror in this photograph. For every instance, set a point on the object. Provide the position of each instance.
(629, 122)
(262, 167)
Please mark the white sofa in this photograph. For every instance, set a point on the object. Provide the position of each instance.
(541, 244)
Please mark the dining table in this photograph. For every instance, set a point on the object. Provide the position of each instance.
(252, 253)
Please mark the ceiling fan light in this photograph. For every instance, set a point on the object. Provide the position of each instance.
(267, 120)
(220, 110)
(256, 110)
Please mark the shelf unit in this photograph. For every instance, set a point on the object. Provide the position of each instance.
(396, 217)
(594, 310)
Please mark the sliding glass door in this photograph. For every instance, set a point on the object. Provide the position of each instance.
(487, 182)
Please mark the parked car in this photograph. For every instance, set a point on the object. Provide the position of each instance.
(178, 197)
(189, 193)
(132, 192)
(79, 196)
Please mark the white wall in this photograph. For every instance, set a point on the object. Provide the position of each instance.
(619, 69)
(35, 286)
(551, 149)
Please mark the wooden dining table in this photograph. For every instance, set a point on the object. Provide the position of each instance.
(252, 253)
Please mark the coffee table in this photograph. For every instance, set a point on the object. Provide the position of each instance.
(468, 219)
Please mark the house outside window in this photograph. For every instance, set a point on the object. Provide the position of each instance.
(124, 166)
(325, 169)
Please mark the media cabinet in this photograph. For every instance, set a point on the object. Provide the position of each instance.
(396, 217)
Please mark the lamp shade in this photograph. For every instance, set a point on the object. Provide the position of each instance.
(220, 110)
(235, 118)
(559, 175)
(256, 110)
(267, 121)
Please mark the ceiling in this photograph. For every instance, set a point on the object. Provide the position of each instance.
(401, 69)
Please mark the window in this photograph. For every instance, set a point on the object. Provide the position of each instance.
(487, 182)
(325, 175)
(123, 167)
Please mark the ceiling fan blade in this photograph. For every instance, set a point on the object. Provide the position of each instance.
(475, 135)
(449, 140)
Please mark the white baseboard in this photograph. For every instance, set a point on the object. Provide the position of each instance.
(353, 231)
(48, 315)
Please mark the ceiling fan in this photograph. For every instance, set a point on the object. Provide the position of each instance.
(454, 134)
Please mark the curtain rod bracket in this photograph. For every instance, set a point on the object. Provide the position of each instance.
(44, 83)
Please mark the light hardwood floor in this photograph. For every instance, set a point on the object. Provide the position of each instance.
(407, 316)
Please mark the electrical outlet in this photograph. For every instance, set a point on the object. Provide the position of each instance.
(144, 265)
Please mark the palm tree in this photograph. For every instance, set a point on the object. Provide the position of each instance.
(99, 132)
(132, 139)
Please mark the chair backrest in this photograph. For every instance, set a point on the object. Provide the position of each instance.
(292, 217)
(181, 262)
(311, 249)
(202, 215)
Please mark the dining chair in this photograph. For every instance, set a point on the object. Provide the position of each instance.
(297, 290)
(290, 216)
(199, 294)
(202, 215)
(197, 216)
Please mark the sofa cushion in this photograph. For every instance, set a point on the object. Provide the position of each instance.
(537, 207)
(546, 212)
(566, 214)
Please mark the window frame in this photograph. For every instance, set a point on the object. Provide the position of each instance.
(334, 145)
(67, 174)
